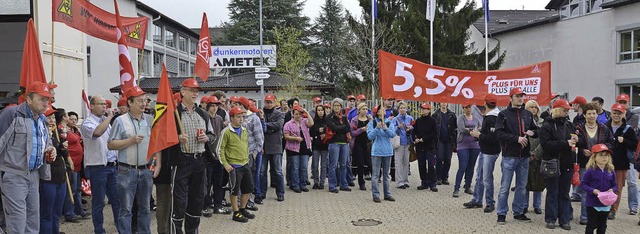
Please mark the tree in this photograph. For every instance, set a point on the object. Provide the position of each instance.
(292, 58)
(329, 33)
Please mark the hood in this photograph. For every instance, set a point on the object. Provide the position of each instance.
(493, 112)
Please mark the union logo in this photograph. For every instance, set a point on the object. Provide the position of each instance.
(136, 33)
(65, 7)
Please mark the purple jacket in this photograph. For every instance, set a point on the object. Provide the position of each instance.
(294, 130)
(355, 131)
(600, 180)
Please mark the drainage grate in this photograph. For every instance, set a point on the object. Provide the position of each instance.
(366, 222)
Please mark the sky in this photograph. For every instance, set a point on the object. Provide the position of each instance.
(188, 13)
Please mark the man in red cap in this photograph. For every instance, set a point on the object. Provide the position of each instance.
(577, 105)
(215, 171)
(447, 134)
(630, 117)
(604, 116)
(351, 104)
(353, 112)
(22, 155)
(513, 126)
(632, 120)
(253, 124)
(489, 152)
(272, 157)
(317, 101)
(122, 105)
(196, 142)
(222, 106)
(130, 135)
(425, 138)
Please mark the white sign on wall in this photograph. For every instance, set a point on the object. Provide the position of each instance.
(244, 56)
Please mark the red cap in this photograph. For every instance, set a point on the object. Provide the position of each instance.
(516, 91)
(40, 88)
(580, 100)
(270, 97)
(317, 99)
(245, 102)
(205, 99)
(109, 103)
(177, 97)
(362, 97)
(214, 99)
(134, 91)
(425, 105)
(375, 110)
(190, 83)
(491, 99)
(351, 97)
(234, 99)
(296, 108)
(623, 97)
(618, 107)
(561, 103)
(49, 111)
(554, 95)
(52, 86)
(327, 105)
(599, 148)
(253, 108)
(122, 101)
(236, 110)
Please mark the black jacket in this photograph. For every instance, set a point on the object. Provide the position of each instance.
(452, 125)
(620, 150)
(554, 137)
(579, 120)
(511, 124)
(315, 133)
(341, 128)
(603, 136)
(274, 120)
(488, 139)
(424, 128)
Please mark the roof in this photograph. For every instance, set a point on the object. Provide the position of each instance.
(216, 33)
(617, 3)
(165, 18)
(503, 21)
(237, 82)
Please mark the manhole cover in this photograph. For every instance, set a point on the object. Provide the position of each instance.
(366, 222)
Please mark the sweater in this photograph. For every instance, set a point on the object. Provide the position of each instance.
(233, 149)
(600, 180)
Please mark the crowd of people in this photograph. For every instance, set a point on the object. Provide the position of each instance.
(228, 144)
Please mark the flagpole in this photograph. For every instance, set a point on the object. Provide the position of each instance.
(373, 45)
(431, 40)
(486, 37)
(140, 61)
(52, 46)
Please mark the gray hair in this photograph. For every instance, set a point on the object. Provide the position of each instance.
(338, 100)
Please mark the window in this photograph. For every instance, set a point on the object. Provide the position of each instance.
(169, 39)
(192, 49)
(633, 90)
(88, 61)
(158, 59)
(146, 69)
(182, 43)
(575, 8)
(630, 45)
(157, 34)
(191, 69)
(184, 65)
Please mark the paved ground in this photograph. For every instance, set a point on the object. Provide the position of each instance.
(413, 212)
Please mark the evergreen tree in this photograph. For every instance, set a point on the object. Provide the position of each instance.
(329, 62)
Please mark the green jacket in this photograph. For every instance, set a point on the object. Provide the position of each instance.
(233, 149)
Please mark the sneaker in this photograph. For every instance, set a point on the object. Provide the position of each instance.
(252, 207)
(612, 216)
(304, 190)
(565, 226)
(221, 210)
(351, 184)
(434, 189)
(280, 198)
(320, 187)
(246, 214)
(86, 215)
(445, 182)
(308, 182)
(390, 198)
(376, 200)
(345, 189)
(537, 211)
(258, 200)
(502, 219)
(583, 222)
(208, 212)
(74, 219)
(471, 205)
(551, 225)
(225, 203)
(468, 191)
(401, 187)
(315, 186)
(333, 190)
(633, 212)
(456, 193)
(422, 187)
(522, 218)
(407, 186)
(439, 182)
(238, 217)
(363, 187)
(489, 209)
(297, 190)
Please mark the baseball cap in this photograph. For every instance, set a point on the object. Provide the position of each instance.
(362, 97)
(561, 103)
(236, 110)
(245, 102)
(122, 101)
(599, 148)
(618, 107)
(270, 97)
(205, 99)
(109, 103)
(234, 99)
(134, 91)
(516, 91)
(317, 99)
(623, 97)
(40, 88)
(491, 99)
(214, 99)
(425, 105)
(580, 100)
(351, 97)
(190, 83)
(49, 111)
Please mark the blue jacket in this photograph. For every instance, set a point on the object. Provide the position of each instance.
(381, 146)
(405, 137)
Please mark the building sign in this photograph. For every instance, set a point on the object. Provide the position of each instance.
(245, 56)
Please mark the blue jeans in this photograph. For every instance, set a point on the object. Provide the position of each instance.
(350, 176)
(319, 157)
(488, 165)
(338, 155)
(478, 190)
(377, 163)
(52, 197)
(537, 200)
(443, 161)
(135, 184)
(519, 167)
(275, 161)
(299, 173)
(632, 187)
(558, 204)
(104, 181)
(583, 197)
(257, 167)
(466, 163)
(70, 210)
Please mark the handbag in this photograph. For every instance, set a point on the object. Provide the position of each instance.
(550, 168)
(413, 156)
(395, 142)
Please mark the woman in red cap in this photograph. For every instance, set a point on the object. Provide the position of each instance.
(599, 177)
(320, 149)
(298, 146)
(468, 150)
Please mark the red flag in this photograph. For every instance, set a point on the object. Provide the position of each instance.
(32, 69)
(204, 51)
(86, 109)
(164, 133)
(127, 79)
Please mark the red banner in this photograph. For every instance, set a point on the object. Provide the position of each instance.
(204, 51)
(404, 78)
(32, 69)
(96, 22)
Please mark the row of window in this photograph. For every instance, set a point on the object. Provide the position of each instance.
(175, 67)
(169, 38)
(629, 46)
(575, 8)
